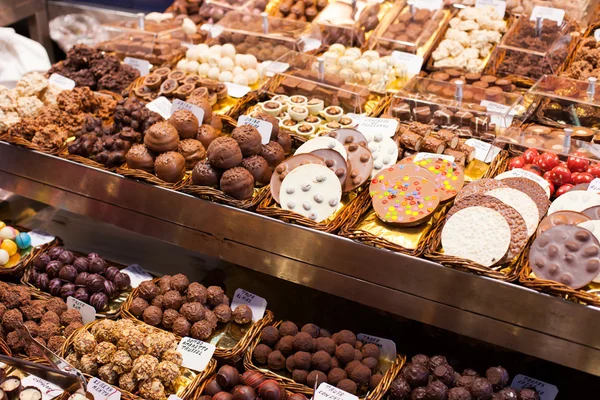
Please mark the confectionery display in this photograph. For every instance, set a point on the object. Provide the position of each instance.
(469, 39)
(586, 62)
(90, 279)
(434, 378)
(299, 10)
(474, 79)
(166, 24)
(158, 49)
(14, 245)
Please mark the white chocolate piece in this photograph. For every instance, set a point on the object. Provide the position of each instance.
(213, 73)
(213, 60)
(360, 65)
(330, 57)
(240, 79)
(189, 27)
(384, 150)
(204, 55)
(203, 70)
(346, 74)
(228, 50)
(193, 53)
(353, 51)
(216, 49)
(251, 76)
(181, 64)
(575, 200)
(345, 61)
(522, 203)
(370, 55)
(226, 64)
(225, 76)
(192, 67)
(337, 48)
(239, 59)
(322, 142)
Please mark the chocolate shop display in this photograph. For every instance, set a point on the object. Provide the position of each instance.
(586, 60)
(296, 10)
(176, 26)
(475, 79)
(15, 249)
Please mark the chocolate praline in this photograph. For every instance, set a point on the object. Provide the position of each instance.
(269, 335)
(248, 138)
(273, 153)
(259, 168)
(261, 352)
(459, 393)
(202, 103)
(288, 328)
(497, 376)
(416, 374)
(206, 134)
(242, 314)
(152, 315)
(204, 174)
(243, 393)
(161, 137)
(139, 157)
(185, 122)
(170, 166)
(227, 376)
(238, 183)
(224, 153)
(528, 394)
(252, 379)
(436, 390)
(269, 118)
(285, 141)
(399, 389)
(481, 388)
(348, 385)
(212, 388)
(192, 151)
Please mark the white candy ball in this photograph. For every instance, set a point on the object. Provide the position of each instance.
(225, 76)
(371, 55)
(337, 48)
(226, 64)
(261, 70)
(360, 65)
(203, 70)
(251, 75)
(365, 77)
(377, 66)
(353, 51)
(347, 74)
(250, 62)
(388, 60)
(237, 70)
(330, 57)
(228, 50)
(213, 73)
(216, 49)
(203, 47)
(204, 56)
(192, 67)
(345, 61)
(213, 60)
(4, 257)
(239, 59)
(241, 80)
(193, 53)
(181, 64)
(332, 69)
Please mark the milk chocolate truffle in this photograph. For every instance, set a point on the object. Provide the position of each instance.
(139, 157)
(317, 377)
(481, 388)
(288, 328)
(344, 353)
(273, 153)
(285, 141)
(161, 137)
(269, 118)
(185, 122)
(258, 168)
(321, 360)
(197, 292)
(459, 393)
(181, 327)
(203, 103)
(528, 394)
(312, 329)
(216, 123)
(345, 336)
(172, 299)
(269, 335)
(286, 345)
(224, 153)
(169, 316)
(261, 352)
(300, 375)
(325, 344)
(152, 315)
(497, 376)
(347, 385)
(335, 376)
(399, 389)
(416, 374)
(192, 151)
(242, 314)
(206, 134)
(276, 360)
(238, 183)
(138, 305)
(223, 313)
(170, 166)
(248, 138)
(370, 350)
(201, 330)
(303, 342)
(205, 175)
(193, 311)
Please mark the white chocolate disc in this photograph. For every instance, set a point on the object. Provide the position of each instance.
(576, 200)
(522, 173)
(384, 150)
(312, 191)
(322, 142)
(520, 202)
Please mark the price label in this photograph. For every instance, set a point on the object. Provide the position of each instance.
(61, 81)
(310, 44)
(174, 397)
(257, 304)
(425, 156)
(102, 390)
(40, 238)
(196, 353)
(428, 4)
(597, 34)
(182, 105)
(370, 126)
(387, 347)
(141, 65)
(236, 91)
(275, 67)
(49, 390)
(327, 392)
(502, 115)
(264, 127)
(545, 390)
(483, 151)
(160, 105)
(594, 186)
(412, 62)
(88, 313)
(498, 5)
(212, 29)
(553, 14)
(137, 275)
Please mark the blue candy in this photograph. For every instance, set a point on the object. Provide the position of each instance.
(23, 240)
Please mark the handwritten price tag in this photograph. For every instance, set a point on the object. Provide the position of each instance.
(141, 65)
(412, 62)
(594, 186)
(88, 313)
(257, 304)
(102, 390)
(371, 126)
(553, 14)
(61, 81)
(387, 347)
(327, 392)
(425, 156)
(236, 91)
(264, 127)
(182, 105)
(196, 353)
(498, 5)
(137, 275)
(49, 390)
(483, 151)
(160, 105)
(545, 390)
(40, 238)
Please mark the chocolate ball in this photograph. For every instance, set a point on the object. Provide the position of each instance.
(212, 388)
(169, 317)
(436, 390)
(375, 380)
(185, 122)
(204, 174)
(202, 103)
(464, 381)
(351, 365)
(243, 393)
(288, 328)
(371, 363)
(399, 389)
(497, 376)
(148, 290)
(286, 345)
(360, 374)
(224, 153)
(419, 393)
(481, 388)
(181, 327)
(269, 335)
(152, 315)
(459, 393)
(326, 344)
(172, 299)
(223, 313)
(222, 396)
(192, 151)
(258, 168)
(197, 293)
(357, 355)
(507, 393)
(335, 376)
(252, 379)
(303, 342)
(344, 353)
(299, 376)
(248, 138)
(261, 352)
(415, 374)
(345, 336)
(370, 350)
(321, 361)
(528, 394)
(435, 361)
(418, 359)
(170, 166)
(157, 301)
(273, 153)
(297, 396)
(139, 157)
(444, 373)
(285, 141)
(269, 118)
(315, 377)
(180, 282)
(238, 183)
(242, 315)
(271, 390)
(161, 137)
(312, 329)
(206, 135)
(347, 385)
(227, 376)
(470, 372)
(193, 312)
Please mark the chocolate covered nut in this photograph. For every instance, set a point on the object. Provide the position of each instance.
(334, 161)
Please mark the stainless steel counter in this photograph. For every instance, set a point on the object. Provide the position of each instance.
(500, 313)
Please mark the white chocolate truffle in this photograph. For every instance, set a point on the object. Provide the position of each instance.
(202, 47)
(192, 67)
(360, 65)
(365, 76)
(240, 80)
(251, 75)
(226, 64)
(213, 60)
(204, 55)
(330, 57)
(181, 64)
(189, 27)
(239, 59)
(203, 70)
(337, 48)
(353, 51)
(216, 49)
(237, 70)
(346, 74)
(261, 69)
(332, 69)
(225, 76)
(213, 73)
(388, 60)
(250, 61)
(345, 61)
(371, 55)
(193, 53)
(228, 50)
(377, 66)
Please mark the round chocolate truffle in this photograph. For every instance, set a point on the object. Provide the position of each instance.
(259, 168)
(302, 360)
(192, 151)
(459, 393)
(335, 376)
(528, 394)
(347, 385)
(269, 118)
(470, 372)
(242, 314)
(238, 183)
(299, 376)
(201, 330)
(216, 123)
(224, 153)
(205, 175)
(285, 141)
(436, 390)
(180, 282)
(138, 305)
(419, 393)
(360, 374)
(273, 153)
(375, 380)
(139, 157)
(215, 295)
(399, 389)
(371, 363)
(481, 388)
(344, 353)
(185, 122)
(288, 328)
(345, 336)
(227, 376)
(416, 374)
(206, 135)
(497, 376)
(152, 315)
(312, 329)
(193, 311)
(419, 359)
(212, 388)
(172, 299)
(203, 103)
(286, 345)
(276, 360)
(170, 166)
(261, 352)
(303, 342)
(181, 327)
(148, 290)
(315, 377)
(169, 316)
(325, 344)
(435, 361)
(269, 335)
(161, 137)
(243, 393)
(444, 373)
(358, 355)
(223, 313)
(252, 379)
(321, 360)
(351, 365)
(370, 350)
(248, 138)
(464, 381)
(197, 292)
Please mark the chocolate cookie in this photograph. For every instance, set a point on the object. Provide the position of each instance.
(533, 190)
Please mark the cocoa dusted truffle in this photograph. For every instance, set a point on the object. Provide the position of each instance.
(197, 293)
(370, 350)
(70, 316)
(215, 295)
(444, 373)
(497, 376)
(269, 335)
(258, 168)
(72, 327)
(224, 153)
(169, 316)
(399, 389)
(371, 363)
(201, 330)
(181, 327)
(152, 315)
(50, 316)
(360, 374)
(299, 376)
(288, 328)
(302, 360)
(273, 153)
(12, 319)
(172, 299)
(261, 352)
(375, 380)
(416, 374)
(194, 312)
(345, 336)
(242, 314)
(357, 355)
(238, 183)
(204, 174)
(303, 342)
(286, 345)
(528, 394)
(347, 385)
(344, 353)
(459, 393)
(436, 390)
(335, 376)
(321, 360)
(276, 360)
(185, 122)
(148, 290)
(55, 343)
(351, 365)
(315, 377)
(312, 329)
(138, 305)
(248, 138)
(223, 313)
(325, 344)
(481, 388)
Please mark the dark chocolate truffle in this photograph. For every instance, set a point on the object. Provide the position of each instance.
(161, 137)
(227, 376)
(170, 166)
(420, 359)
(261, 352)
(436, 390)
(315, 377)
(357, 355)
(204, 174)
(419, 393)
(286, 345)
(335, 376)
(435, 361)
(212, 388)
(344, 353)
(507, 393)
(399, 389)
(416, 374)
(375, 380)
(258, 168)
(325, 344)
(252, 379)
(139, 157)
(288, 328)
(371, 363)
(347, 385)
(360, 374)
(444, 373)
(185, 122)
(351, 365)
(273, 153)
(459, 393)
(497, 376)
(153, 315)
(248, 138)
(276, 360)
(138, 305)
(299, 376)
(345, 336)
(269, 335)
(243, 393)
(303, 342)
(321, 360)
(470, 372)
(302, 360)
(224, 153)
(464, 381)
(238, 183)
(312, 329)
(370, 350)
(192, 151)
(481, 388)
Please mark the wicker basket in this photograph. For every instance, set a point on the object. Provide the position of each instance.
(147, 177)
(232, 354)
(216, 195)
(188, 393)
(18, 269)
(289, 384)
(4, 349)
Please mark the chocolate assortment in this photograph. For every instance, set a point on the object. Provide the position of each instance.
(300, 10)
(586, 62)
(157, 49)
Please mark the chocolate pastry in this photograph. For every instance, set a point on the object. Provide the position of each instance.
(205, 175)
(161, 137)
(185, 122)
(224, 153)
(170, 167)
(238, 183)
(139, 157)
(248, 138)
(192, 151)
(259, 168)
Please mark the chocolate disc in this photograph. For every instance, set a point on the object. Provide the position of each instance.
(360, 165)
(286, 166)
(347, 136)
(448, 175)
(335, 162)
(520, 202)
(533, 190)
(561, 218)
(522, 173)
(480, 186)
(577, 200)
(592, 212)
(566, 254)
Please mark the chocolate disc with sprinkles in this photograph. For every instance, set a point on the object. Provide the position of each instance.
(404, 194)
(448, 175)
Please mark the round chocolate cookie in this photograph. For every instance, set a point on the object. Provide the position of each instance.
(531, 189)
(480, 186)
(561, 218)
(360, 165)
(280, 172)
(334, 161)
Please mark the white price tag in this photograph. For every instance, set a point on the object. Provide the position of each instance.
(597, 34)
(498, 5)
(327, 392)
(594, 186)
(553, 14)
(412, 62)
(502, 115)
(257, 304)
(545, 390)
(182, 105)
(370, 126)
(483, 151)
(61, 81)
(174, 397)
(310, 44)
(196, 353)
(136, 274)
(264, 127)
(160, 105)
(428, 4)
(236, 91)
(102, 390)
(387, 347)
(356, 117)
(49, 390)
(425, 156)
(39, 238)
(88, 313)
(213, 30)
(141, 65)
(275, 67)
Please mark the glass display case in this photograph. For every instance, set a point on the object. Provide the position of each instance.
(212, 11)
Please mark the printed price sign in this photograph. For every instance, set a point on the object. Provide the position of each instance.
(137, 275)
(88, 313)
(160, 105)
(61, 81)
(102, 390)
(371, 126)
(275, 67)
(545, 390)
(425, 156)
(141, 65)
(327, 392)
(594, 186)
(483, 151)
(235, 90)
(49, 390)
(428, 4)
(196, 353)
(498, 5)
(182, 105)
(387, 347)
(257, 304)
(212, 29)
(264, 127)
(412, 62)
(553, 14)
(40, 238)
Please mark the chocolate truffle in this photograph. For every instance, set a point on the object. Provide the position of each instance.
(321, 360)
(370, 350)
(185, 122)
(242, 314)
(157, 301)
(464, 381)
(215, 295)
(507, 393)
(223, 313)
(180, 282)
(418, 359)
(238, 183)
(273, 153)
(325, 344)
(436, 390)
(152, 315)
(357, 355)
(248, 138)
(197, 292)
(192, 151)
(50, 316)
(172, 299)
(481, 388)
(181, 327)
(169, 316)
(258, 168)
(375, 380)
(444, 373)
(336, 375)
(224, 153)
(206, 135)
(399, 389)
(170, 166)
(203, 103)
(299, 376)
(212, 388)
(205, 175)
(497, 376)
(216, 123)
(419, 393)
(286, 345)
(312, 329)
(371, 363)
(345, 336)
(459, 393)
(528, 394)
(347, 385)
(302, 360)
(12, 319)
(193, 312)
(435, 361)
(315, 377)
(288, 328)
(303, 342)
(252, 379)
(70, 316)
(139, 157)
(269, 335)
(416, 374)
(201, 330)
(269, 118)
(161, 137)
(344, 353)
(261, 352)
(276, 360)
(470, 372)
(360, 374)
(351, 365)
(285, 141)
